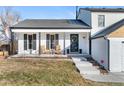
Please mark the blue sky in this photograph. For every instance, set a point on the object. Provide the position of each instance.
(48, 12)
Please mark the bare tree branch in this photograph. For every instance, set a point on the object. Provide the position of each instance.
(8, 17)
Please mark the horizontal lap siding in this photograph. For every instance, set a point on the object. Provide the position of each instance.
(116, 51)
(115, 56)
(100, 51)
(20, 44)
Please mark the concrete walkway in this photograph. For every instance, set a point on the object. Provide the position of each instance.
(84, 66)
(91, 73)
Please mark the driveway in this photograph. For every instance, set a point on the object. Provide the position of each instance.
(110, 77)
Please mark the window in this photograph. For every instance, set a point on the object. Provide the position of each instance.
(101, 20)
(34, 41)
(25, 41)
(30, 41)
(52, 41)
(47, 41)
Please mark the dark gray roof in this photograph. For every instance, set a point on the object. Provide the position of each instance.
(51, 24)
(109, 29)
(104, 9)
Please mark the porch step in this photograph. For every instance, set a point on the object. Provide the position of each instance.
(88, 70)
(79, 59)
(83, 63)
(85, 67)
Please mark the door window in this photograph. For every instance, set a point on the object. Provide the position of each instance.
(74, 42)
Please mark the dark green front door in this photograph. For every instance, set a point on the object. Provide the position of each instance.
(74, 42)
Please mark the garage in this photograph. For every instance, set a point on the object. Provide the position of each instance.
(108, 47)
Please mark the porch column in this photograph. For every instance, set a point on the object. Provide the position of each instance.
(39, 43)
(64, 43)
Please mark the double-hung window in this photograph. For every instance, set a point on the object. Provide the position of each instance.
(101, 20)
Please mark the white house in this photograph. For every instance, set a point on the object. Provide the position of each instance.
(71, 35)
(74, 36)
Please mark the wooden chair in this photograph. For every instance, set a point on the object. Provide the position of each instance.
(58, 49)
(44, 50)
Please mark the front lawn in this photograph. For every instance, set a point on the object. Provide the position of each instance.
(42, 72)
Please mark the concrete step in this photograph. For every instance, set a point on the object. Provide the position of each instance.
(88, 70)
(85, 67)
(83, 64)
(79, 59)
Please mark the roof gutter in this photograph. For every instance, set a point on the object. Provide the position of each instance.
(49, 28)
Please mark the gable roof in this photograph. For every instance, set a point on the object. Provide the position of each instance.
(104, 9)
(51, 24)
(109, 29)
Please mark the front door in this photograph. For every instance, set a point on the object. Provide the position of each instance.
(74, 42)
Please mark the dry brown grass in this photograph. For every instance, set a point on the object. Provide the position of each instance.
(41, 72)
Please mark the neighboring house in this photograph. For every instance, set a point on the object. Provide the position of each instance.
(73, 36)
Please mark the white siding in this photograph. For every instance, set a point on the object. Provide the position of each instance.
(43, 39)
(20, 43)
(83, 41)
(100, 51)
(110, 18)
(116, 56)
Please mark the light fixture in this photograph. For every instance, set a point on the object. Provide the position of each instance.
(84, 37)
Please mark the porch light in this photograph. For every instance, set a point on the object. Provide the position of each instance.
(84, 37)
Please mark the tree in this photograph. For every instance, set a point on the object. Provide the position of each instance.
(8, 17)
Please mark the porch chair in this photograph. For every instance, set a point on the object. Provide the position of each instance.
(44, 50)
(58, 49)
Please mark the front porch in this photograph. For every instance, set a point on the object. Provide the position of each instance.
(52, 42)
